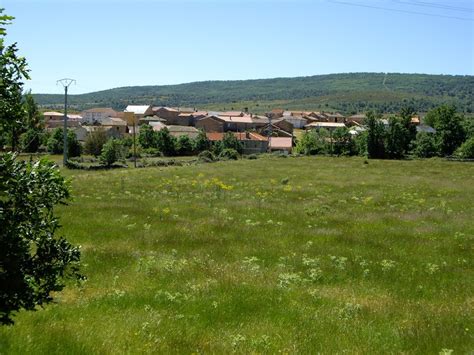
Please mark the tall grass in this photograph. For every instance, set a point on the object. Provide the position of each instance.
(269, 255)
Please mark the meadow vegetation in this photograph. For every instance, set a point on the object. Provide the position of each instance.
(297, 254)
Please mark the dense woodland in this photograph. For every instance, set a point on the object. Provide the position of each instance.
(347, 93)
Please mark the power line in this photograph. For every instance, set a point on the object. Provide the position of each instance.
(437, 6)
(402, 11)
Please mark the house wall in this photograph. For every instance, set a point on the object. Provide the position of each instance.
(210, 125)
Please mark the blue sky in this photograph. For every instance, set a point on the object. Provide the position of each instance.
(112, 43)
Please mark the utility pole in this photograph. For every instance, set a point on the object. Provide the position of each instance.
(270, 133)
(65, 83)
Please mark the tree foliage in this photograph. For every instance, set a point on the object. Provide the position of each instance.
(56, 142)
(166, 143)
(33, 262)
(343, 144)
(375, 136)
(147, 138)
(201, 142)
(95, 141)
(424, 145)
(184, 145)
(313, 142)
(112, 151)
(13, 70)
(449, 127)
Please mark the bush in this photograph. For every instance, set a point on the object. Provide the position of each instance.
(229, 154)
(113, 151)
(206, 156)
(466, 150)
(151, 152)
(95, 141)
(252, 156)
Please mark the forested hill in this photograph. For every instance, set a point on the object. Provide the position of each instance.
(353, 92)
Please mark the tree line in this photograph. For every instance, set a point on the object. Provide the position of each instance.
(453, 137)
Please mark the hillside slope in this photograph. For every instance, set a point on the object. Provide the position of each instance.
(350, 92)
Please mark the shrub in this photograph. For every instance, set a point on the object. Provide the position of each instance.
(112, 152)
(466, 150)
(206, 156)
(252, 156)
(151, 152)
(229, 154)
(95, 141)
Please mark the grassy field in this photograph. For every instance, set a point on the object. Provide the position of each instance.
(270, 255)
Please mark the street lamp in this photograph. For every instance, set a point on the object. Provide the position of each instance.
(65, 83)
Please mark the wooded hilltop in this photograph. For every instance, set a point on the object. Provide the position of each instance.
(348, 93)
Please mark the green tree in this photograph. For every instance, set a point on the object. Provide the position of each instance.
(375, 136)
(184, 145)
(166, 143)
(424, 146)
(397, 138)
(31, 140)
(112, 151)
(33, 262)
(343, 142)
(201, 142)
(34, 118)
(313, 142)
(55, 143)
(147, 137)
(230, 141)
(450, 132)
(95, 141)
(13, 70)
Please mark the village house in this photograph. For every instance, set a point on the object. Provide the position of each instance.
(281, 144)
(359, 118)
(210, 124)
(177, 131)
(296, 121)
(54, 120)
(224, 123)
(97, 114)
(140, 111)
(334, 117)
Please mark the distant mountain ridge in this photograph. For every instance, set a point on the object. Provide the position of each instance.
(350, 92)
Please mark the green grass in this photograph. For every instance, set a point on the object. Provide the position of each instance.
(270, 255)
